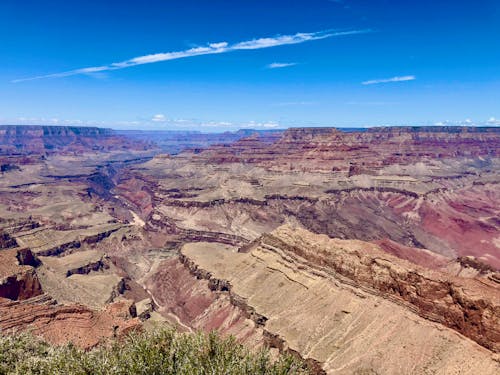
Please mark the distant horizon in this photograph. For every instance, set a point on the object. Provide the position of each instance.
(214, 131)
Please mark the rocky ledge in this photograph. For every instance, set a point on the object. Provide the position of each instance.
(357, 152)
(343, 305)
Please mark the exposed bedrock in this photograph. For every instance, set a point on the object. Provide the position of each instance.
(192, 303)
(447, 204)
(469, 306)
(69, 323)
(87, 268)
(51, 242)
(452, 224)
(6, 241)
(25, 306)
(330, 149)
(343, 304)
(158, 222)
(18, 278)
(36, 139)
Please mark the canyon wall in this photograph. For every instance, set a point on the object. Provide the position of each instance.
(343, 305)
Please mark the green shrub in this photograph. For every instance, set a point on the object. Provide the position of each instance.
(161, 352)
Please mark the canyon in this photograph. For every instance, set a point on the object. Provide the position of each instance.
(361, 251)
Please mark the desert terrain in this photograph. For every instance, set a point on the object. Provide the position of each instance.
(371, 251)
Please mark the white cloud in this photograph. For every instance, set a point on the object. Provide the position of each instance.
(47, 121)
(214, 124)
(218, 45)
(493, 121)
(159, 118)
(386, 80)
(264, 125)
(277, 65)
(211, 48)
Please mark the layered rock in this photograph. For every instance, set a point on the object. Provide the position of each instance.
(350, 306)
(193, 303)
(434, 188)
(68, 323)
(25, 306)
(16, 139)
(18, 279)
(344, 306)
(329, 149)
(45, 241)
(469, 306)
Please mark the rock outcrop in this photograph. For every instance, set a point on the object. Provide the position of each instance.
(61, 324)
(349, 306)
(472, 307)
(16, 139)
(434, 188)
(25, 306)
(6, 241)
(357, 152)
(193, 303)
(18, 279)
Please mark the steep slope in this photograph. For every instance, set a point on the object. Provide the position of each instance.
(348, 306)
(432, 188)
(329, 149)
(70, 139)
(25, 306)
(61, 324)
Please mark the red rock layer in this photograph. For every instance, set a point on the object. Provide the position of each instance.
(471, 307)
(63, 324)
(421, 257)
(51, 139)
(23, 306)
(18, 281)
(357, 152)
(198, 305)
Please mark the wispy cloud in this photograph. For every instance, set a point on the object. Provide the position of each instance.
(493, 121)
(155, 122)
(387, 80)
(277, 65)
(209, 49)
(159, 118)
(160, 121)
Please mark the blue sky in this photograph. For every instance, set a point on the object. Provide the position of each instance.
(223, 65)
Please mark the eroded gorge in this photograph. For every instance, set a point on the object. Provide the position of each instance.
(350, 249)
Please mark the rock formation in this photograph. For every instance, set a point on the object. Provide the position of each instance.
(56, 139)
(366, 251)
(347, 305)
(61, 324)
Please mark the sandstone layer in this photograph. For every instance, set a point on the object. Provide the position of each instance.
(96, 229)
(61, 324)
(435, 189)
(346, 305)
(57, 139)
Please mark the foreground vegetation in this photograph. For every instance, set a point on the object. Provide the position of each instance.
(160, 352)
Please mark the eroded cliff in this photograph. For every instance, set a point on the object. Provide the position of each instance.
(348, 305)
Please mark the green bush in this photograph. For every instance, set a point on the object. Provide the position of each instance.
(161, 352)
